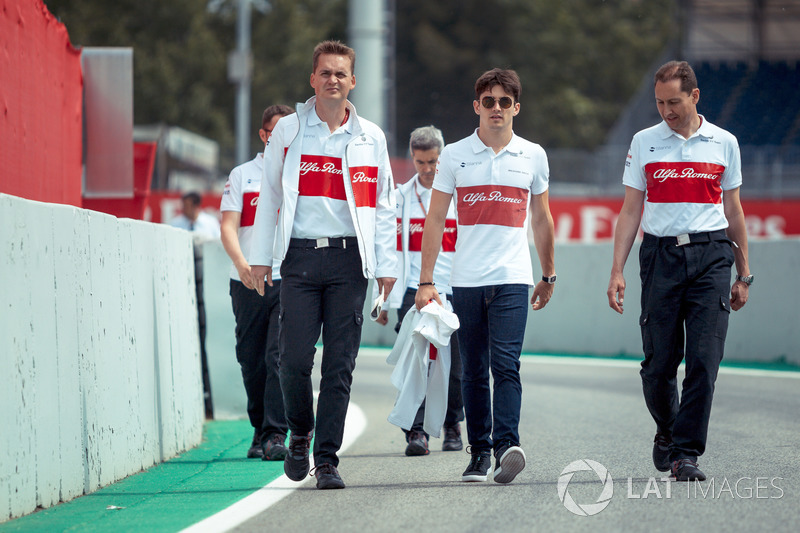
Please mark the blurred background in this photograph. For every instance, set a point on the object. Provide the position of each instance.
(200, 72)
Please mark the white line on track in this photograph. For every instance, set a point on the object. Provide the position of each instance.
(273, 492)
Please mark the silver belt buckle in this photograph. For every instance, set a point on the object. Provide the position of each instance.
(683, 238)
(322, 243)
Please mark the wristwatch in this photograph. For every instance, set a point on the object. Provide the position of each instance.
(550, 279)
(748, 280)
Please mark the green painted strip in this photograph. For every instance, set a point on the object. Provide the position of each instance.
(170, 496)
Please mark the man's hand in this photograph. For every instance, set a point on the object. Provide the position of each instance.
(426, 293)
(616, 292)
(259, 273)
(383, 318)
(385, 286)
(739, 294)
(542, 293)
(245, 275)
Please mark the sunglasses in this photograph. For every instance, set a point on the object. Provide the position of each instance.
(489, 101)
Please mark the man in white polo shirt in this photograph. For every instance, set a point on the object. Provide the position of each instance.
(500, 182)
(256, 315)
(682, 180)
(328, 186)
(413, 200)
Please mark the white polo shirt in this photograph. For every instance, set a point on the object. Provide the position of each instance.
(322, 209)
(493, 194)
(241, 195)
(683, 179)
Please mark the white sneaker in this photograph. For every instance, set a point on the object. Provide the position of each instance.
(510, 463)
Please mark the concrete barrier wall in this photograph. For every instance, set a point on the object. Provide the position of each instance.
(99, 351)
(577, 320)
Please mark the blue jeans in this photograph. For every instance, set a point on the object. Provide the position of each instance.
(492, 328)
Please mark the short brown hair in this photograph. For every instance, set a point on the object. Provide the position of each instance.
(677, 70)
(506, 78)
(335, 48)
(271, 111)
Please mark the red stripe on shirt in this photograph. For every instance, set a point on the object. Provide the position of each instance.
(698, 183)
(365, 185)
(321, 176)
(249, 205)
(499, 205)
(415, 228)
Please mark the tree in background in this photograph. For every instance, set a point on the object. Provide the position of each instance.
(580, 60)
(181, 49)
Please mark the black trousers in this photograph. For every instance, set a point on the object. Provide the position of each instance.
(685, 311)
(257, 353)
(320, 288)
(455, 404)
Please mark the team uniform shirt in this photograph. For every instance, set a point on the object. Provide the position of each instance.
(683, 179)
(492, 194)
(412, 208)
(322, 209)
(241, 195)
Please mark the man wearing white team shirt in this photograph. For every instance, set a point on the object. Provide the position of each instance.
(682, 180)
(500, 182)
(256, 315)
(413, 201)
(328, 185)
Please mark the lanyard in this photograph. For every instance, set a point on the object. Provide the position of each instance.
(419, 199)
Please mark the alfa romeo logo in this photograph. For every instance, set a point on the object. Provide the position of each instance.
(585, 509)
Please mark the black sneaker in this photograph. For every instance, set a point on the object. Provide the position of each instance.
(255, 450)
(417, 444)
(295, 465)
(328, 477)
(509, 461)
(661, 446)
(274, 448)
(452, 439)
(479, 466)
(687, 470)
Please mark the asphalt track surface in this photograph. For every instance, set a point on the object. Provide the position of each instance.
(574, 409)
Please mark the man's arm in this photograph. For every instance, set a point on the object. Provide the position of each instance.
(737, 232)
(544, 241)
(385, 227)
(627, 226)
(431, 244)
(229, 234)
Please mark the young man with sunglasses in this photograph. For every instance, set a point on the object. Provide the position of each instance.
(328, 186)
(500, 182)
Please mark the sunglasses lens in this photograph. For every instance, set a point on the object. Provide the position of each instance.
(488, 102)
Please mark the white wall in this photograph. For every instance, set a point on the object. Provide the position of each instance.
(576, 321)
(99, 351)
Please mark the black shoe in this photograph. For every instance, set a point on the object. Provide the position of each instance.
(479, 466)
(509, 461)
(274, 448)
(295, 465)
(328, 477)
(686, 470)
(452, 439)
(661, 447)
(255, 450)
(417, 444)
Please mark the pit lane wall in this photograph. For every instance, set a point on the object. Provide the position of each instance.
(99, 351)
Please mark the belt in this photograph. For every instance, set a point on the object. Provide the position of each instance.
(686, 238)
(325, 242)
